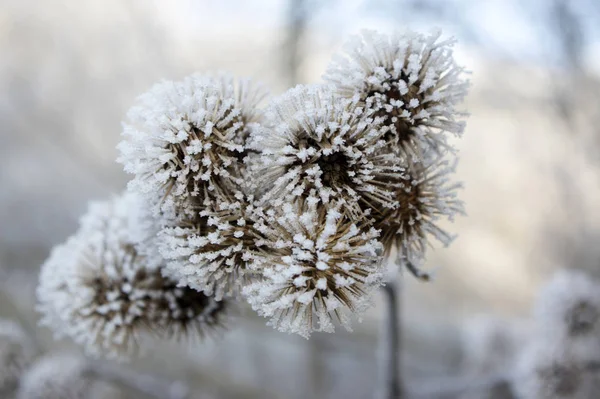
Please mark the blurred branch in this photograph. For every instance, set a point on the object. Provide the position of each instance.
(297, 22)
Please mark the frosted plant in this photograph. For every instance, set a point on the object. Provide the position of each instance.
(60, 376)
(97, 290)
(17, 351)
(567, 312)
(317, 266)
(209, 252)
(314, 140)
(553, 373)
(490, 345)
(409, 79)
(425, 196)
(185, 136)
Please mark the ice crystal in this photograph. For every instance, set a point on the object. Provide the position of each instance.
(185, 136)
(209, 252)
(314, 140)
(97, 290)
(409, 79)
(317, 265)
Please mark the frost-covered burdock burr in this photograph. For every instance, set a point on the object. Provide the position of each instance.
(544, 372)
(425, 195)
(318, 266)
(209, 252)
(411, 80)
(315, 141)
(97, 290)
(17, 351)
(567, 312)
(187, 136)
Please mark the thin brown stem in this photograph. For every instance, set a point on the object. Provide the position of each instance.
(391, 343)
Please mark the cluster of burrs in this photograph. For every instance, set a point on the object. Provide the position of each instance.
(292, 204)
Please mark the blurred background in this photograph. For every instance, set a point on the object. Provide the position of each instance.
(530, 161)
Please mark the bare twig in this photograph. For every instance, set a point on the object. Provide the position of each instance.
(297, 21)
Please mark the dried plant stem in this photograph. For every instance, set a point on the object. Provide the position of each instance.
(391, 338)
(150, 385)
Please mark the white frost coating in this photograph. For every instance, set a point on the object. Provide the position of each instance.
(410, 79)
(425, 195)
(145, 219)
(17, 351)
(567, 312)
(187, 137)
(209, 252)
(314, 140)
(297, 293)
(97, 290)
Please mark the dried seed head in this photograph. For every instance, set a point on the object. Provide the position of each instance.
(97, 290)
(544, 372)
(425, 195)
(187, 136)
(314, 140)
(317, 265)
(410, 80)
(567, 311)
(209, 252)
(17, 352)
